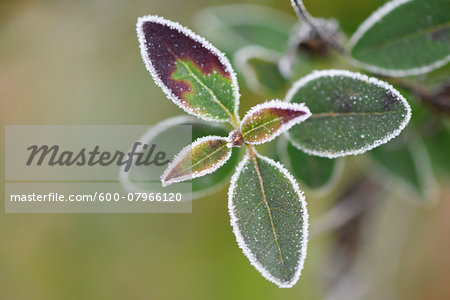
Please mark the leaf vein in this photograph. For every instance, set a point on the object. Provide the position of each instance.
(214, 97)
(258, 173)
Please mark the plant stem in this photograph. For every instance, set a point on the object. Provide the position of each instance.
(252, 154)
(234, 121)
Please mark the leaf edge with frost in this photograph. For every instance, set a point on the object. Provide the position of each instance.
(240, 239)
(357, 76)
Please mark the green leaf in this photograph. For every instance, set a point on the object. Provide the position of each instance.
(410, 163)
(350, 113)
(404, 37)
(137, 179)
(269, 218)
(260, 69)
(313, 171)
(192, 73)
(264, 122)
(232, 27)
(202, 157)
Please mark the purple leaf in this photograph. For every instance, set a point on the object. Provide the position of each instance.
(192, 73)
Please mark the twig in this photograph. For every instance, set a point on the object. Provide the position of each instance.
(306, 17)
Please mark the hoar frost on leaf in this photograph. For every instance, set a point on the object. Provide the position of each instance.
(375, 19)
(147, 138)
(202, 157)
(326, 96)
(252, 243)
(138, 179)
(265, 121)
(182, 63)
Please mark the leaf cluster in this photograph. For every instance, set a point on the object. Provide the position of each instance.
(324, 115)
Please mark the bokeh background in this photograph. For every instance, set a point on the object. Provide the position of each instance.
(77, 62)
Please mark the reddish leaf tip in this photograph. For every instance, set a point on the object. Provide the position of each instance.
(264, 122)
(164, 43)
(182, 168)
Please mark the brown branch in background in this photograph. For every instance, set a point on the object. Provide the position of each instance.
(328, 38)
(304, 15)
(439, 98)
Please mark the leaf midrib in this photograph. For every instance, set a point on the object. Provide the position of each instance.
(255, 163)
(215, 99)
(204, 158)
(350, 114)
(261, 125)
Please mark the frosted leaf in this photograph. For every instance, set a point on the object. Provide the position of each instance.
(192, 73)
(264, 122)
(202, 157)
(403, 38)
(269, 218)
(351, 113)
(139, 178)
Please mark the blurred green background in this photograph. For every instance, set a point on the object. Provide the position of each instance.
(77, 62)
